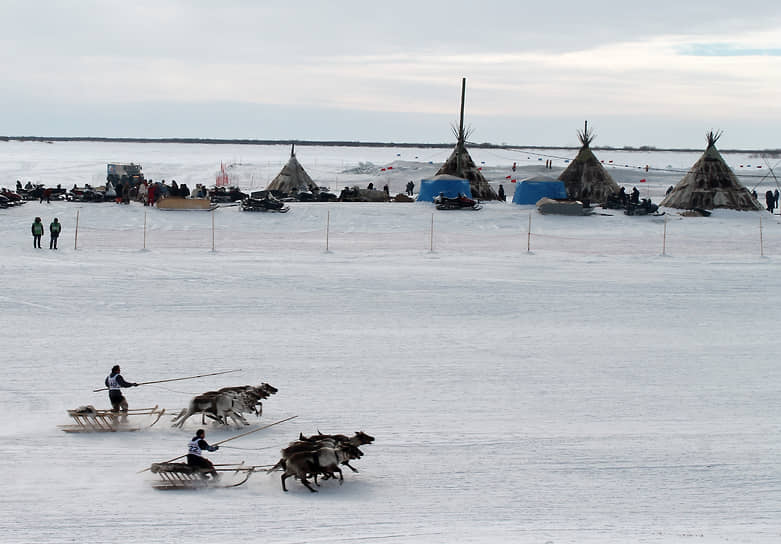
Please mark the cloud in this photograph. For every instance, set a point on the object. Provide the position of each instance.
(726, 50)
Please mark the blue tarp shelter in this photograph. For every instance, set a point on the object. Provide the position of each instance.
(530, 190)
(451, 186)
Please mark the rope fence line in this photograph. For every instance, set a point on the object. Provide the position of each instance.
(743, 240)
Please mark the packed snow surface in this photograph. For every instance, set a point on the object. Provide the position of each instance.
(528, 378)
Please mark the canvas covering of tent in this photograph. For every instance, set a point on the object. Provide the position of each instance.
(585, 177)
(711, 183)
(530, 190)
(461, 165)
(292, 178)
(450, 186)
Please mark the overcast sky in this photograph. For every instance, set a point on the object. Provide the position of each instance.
(661, 73)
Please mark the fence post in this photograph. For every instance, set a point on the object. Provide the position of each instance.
(213, 230)
(145, 212)
(327, 229)
(529, 236)
(664, 237)
(431, 236)
(76, 234)
(761, 241)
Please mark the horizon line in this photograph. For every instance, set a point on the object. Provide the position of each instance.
(351, 143)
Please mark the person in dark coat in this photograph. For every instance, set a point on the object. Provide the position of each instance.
(55, 227)
(770, 200)
(635, 198)
(195, 456)
(37, 230)
(115, 382)
(502, 196)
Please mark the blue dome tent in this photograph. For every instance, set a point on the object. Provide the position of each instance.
(451, 186)
(530, 190)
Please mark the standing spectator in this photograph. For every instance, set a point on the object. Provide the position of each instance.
(37, 232)
(635, 198)
(775, 196)
(770, 200)
(502, 196)
(54, 232)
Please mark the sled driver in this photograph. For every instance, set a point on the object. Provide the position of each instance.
(115, 382)
(195, 456)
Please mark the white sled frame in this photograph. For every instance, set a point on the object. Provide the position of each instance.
(172, 479)
(108, 421)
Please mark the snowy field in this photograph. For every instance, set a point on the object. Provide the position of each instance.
(591, 390)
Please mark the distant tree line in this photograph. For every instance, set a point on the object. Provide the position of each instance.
(773, 153)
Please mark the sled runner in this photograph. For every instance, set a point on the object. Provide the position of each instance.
(91, 420)
(183, 476)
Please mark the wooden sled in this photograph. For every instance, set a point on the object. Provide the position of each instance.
(179, 203)
(183, 476)
(90, 420)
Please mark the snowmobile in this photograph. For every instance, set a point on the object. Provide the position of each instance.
(461, 202)
(222, 195)
(9, 198)
(86, 194)
(267, 204)
(644, 207)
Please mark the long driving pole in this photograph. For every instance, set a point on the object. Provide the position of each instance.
(178, 379)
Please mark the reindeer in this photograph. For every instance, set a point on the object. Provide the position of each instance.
(215, 405)
(302, 464)
(358, 439)
(227, 403)
(319, 454)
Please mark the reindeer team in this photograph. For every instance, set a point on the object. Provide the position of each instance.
(227, 404)
(320, 454)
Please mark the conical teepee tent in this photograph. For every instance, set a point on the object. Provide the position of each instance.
(585, 177)
(710, 183)
(461, 165)
(292, 178)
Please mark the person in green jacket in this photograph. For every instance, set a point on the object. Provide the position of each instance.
(54, 230)
(37, 232)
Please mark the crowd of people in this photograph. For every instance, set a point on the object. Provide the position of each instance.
(149, 191)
